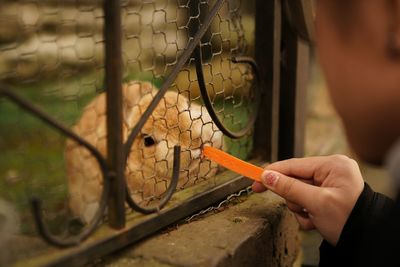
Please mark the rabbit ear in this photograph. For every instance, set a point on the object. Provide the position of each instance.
(134, 91)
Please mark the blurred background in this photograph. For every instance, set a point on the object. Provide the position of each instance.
(324, 135)
(51, 52)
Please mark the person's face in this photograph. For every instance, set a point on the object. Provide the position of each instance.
(364, 81)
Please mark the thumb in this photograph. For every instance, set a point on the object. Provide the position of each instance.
(291, 189)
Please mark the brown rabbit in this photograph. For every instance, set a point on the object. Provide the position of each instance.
(175, 121)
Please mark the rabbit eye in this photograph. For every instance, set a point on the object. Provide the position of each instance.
(148, 141)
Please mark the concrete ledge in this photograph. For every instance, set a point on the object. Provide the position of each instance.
(257, 232)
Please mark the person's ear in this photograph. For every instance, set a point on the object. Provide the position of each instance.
(393, 44)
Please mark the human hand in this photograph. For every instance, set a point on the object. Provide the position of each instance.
(321, 191)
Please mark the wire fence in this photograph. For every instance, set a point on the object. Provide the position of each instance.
(52, 56)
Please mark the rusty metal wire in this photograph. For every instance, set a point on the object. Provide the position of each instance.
(245, 192)
(56, 54)
(36, 203)
(209, 105)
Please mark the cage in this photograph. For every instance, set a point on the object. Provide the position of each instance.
(105, 106)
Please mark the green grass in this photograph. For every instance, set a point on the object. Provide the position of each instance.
(32, 162)
(237, 120)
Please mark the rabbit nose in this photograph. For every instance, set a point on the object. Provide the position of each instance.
(195, 153)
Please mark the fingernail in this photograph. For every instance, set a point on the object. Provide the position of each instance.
(269, 178)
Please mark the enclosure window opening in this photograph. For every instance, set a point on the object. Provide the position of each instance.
(94, 108)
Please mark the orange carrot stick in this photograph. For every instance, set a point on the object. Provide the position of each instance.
(234, 164)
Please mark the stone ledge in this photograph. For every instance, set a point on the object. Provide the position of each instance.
(257, 232)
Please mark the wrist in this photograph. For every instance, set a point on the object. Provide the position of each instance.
(354, 224)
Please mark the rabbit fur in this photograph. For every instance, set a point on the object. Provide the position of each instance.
(175, 121)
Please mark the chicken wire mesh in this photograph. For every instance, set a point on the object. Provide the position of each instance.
(51, 53)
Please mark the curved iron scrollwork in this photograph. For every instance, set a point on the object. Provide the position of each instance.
(193, 48)
(168, 82)
(168, 193)
(35, 202)
(209, 105)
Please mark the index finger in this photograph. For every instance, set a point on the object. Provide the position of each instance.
(302, 168)
(292, 189)
(258, 187)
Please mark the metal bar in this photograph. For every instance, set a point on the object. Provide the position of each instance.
(209, 105)
(117, 153)
(302, 72)
(300, 15)
(294, 69)
(268, 57)
(87, 253)
(172, 76)
(167, 83)
(195, 12)
(168, 193)
(44, 232)
(113, 81)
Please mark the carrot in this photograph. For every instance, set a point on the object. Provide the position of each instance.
(232, 163)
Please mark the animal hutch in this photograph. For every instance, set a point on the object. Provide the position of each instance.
(105, 106)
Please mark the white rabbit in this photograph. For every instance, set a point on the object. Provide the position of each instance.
(175, 121)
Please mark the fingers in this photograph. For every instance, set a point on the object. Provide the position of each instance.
(300, 167)
(291, 189)
(305, 223)
(258, 187)
(300, 213)
(293, 207)
(301, 216)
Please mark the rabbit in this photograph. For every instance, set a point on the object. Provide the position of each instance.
(175, 121)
